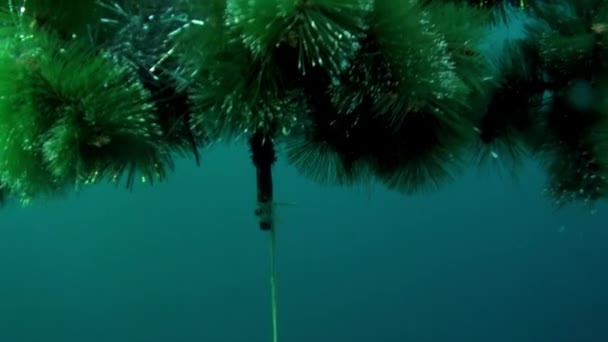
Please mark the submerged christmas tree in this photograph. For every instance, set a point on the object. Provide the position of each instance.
(395, 91)
(390, 90)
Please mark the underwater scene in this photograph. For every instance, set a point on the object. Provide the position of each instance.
(303, 170)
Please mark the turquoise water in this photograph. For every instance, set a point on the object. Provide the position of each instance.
(484, 259)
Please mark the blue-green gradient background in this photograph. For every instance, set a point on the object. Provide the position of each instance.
(485, 259)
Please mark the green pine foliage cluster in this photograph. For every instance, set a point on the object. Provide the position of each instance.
(351, 91)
